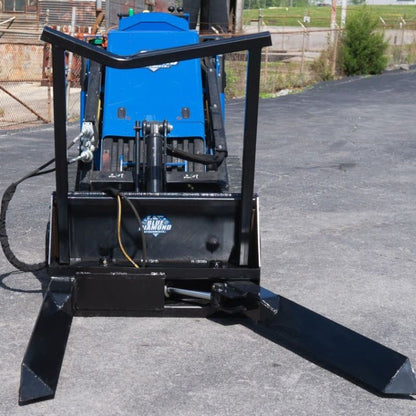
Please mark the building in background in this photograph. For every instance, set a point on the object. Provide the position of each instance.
(24, 19)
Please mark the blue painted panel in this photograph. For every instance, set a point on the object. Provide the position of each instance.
(166, 92)
(154, 21)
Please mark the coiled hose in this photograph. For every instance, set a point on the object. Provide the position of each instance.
(4, 239)
(5, 201)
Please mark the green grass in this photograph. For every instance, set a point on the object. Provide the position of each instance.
(276, 77)
(290, 75)
(321, 16)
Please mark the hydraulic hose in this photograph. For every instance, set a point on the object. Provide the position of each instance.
(215, 159)
(119, 196)
(5, 201)
(4, 239)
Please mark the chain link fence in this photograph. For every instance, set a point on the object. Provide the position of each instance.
(26, 95)
(26, 85)
(22, 98)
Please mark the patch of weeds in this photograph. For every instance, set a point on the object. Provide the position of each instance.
(275, 77)
(322, 67)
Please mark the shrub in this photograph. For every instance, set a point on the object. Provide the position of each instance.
(363, 47)
(322, 65)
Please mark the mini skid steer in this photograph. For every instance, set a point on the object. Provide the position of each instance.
(152, 223)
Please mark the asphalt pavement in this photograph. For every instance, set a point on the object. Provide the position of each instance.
(336, 173)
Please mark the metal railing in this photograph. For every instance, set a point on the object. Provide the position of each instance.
(251, 43)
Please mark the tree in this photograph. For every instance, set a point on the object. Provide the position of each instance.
(363, 47)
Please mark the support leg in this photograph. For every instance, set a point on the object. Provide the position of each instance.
(44, 355)
(319, 339)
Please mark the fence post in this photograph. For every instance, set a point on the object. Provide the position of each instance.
(302, 61)
(403, 25)
(260, 24)
(266, 62)
(70, 56)
(334, 53)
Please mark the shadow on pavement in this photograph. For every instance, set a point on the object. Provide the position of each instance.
(9, 284)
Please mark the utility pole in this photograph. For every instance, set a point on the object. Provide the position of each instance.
(239, 7)
(334, 36)
(343, 13)
(333, 19)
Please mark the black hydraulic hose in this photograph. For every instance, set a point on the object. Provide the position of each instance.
(216, 159)
(139, 220)
(4, 239)
(5, 201)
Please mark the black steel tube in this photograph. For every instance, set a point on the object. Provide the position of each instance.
(59, 110)
(333, 346)
(62, 42)
(44, 355)
(249, 151)
(154, 179)
(181, 53)
(189, 293)
(137, 156)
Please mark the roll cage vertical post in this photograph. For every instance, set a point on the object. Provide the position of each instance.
(251, 43)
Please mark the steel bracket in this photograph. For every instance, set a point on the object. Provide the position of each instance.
(44, 355)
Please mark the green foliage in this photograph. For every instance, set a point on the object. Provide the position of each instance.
(363, 48)
(324, 68)
(264, 4)
(275, 76)
(322, 65)
(402, 54)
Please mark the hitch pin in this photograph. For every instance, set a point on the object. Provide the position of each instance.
(184, 292)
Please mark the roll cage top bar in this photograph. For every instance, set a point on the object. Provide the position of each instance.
(252, 43)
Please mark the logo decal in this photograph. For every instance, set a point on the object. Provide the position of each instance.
(156, 224)
(154, 68)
